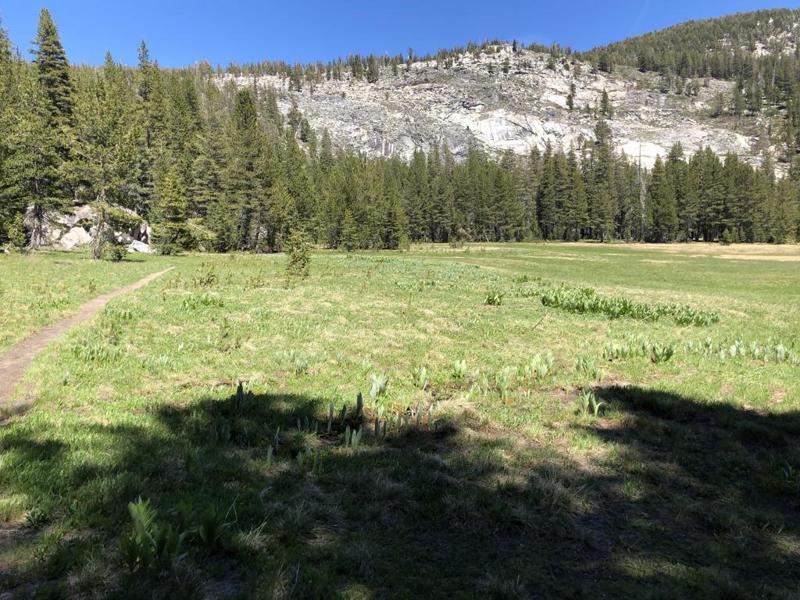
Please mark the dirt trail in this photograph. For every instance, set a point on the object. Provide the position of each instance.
(14, 362)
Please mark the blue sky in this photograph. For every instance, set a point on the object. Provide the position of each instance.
(180, 32)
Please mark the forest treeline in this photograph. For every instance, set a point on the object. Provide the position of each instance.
(220, 167)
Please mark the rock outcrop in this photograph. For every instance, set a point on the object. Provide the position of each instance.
(72, 228)
(506, 100)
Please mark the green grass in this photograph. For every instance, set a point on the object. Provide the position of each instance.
(491, 481)
(40, 289)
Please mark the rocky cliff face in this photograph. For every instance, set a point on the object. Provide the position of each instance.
(506, 100)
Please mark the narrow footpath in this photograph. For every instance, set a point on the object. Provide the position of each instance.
(16, 360)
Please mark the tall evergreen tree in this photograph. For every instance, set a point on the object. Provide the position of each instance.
(662, 217)
(170, 231)
(53, 71)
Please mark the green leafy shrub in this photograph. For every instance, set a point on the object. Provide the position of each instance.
(727, 238)
(776, 351)
(197, 301)
(298, 251)
(538, 367)
(587, 300)
(494, 298)
(502, 381)
(661, 353)
(639, 346)
(207, 277)
(150, 545)
(378, 385)
(420, 377)
(114, 252)
(586, 366)
(459, 370)
(93, 351)
(211, 527)
(588, 404)
(352, 437)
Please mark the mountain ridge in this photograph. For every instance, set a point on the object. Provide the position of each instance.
(501, 100)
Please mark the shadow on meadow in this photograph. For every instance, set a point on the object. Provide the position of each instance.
(690, 499)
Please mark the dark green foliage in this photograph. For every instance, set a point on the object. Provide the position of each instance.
(211, 528)
(16, 233)
(662, 215)
(108, 221)
(170, 232)
(606, 109)
(53, 71)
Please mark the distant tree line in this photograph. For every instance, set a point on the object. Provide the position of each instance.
(220, 167)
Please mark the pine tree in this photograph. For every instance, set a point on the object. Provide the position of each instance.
(443, 200)
(41, 132)
(103, 157)
(281, 216)
(508, 199)
(170, 231)
(53, 71)
(150, 116)
(394, 225)
(418, 197)
(373, 71)
(662, 217)
(349, 239)
(576, 204)
(241, 182)
(678, 176)
(738, 101)
(34, 165)
(325, 152)
(11, 208)
(571, 97)
(604, 62)
(602, 184)
(546, 196)
(298, 183)
(606, 109)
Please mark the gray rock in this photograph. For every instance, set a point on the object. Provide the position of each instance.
(137, 246)
(475, 103)
(75, 237)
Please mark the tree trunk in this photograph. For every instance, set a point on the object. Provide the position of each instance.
(37, 227)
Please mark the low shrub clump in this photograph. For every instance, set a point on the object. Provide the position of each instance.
(634, 346)
(494, 298)
(587, 300)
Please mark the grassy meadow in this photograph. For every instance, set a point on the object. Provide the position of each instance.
(39, 289)
(519, 435)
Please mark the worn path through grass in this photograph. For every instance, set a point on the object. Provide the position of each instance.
(14, 362)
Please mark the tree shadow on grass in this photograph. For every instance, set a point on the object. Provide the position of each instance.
(709, 493)
(690, 499)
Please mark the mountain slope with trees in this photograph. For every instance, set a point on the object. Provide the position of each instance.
(214, 162)
(758, 51)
